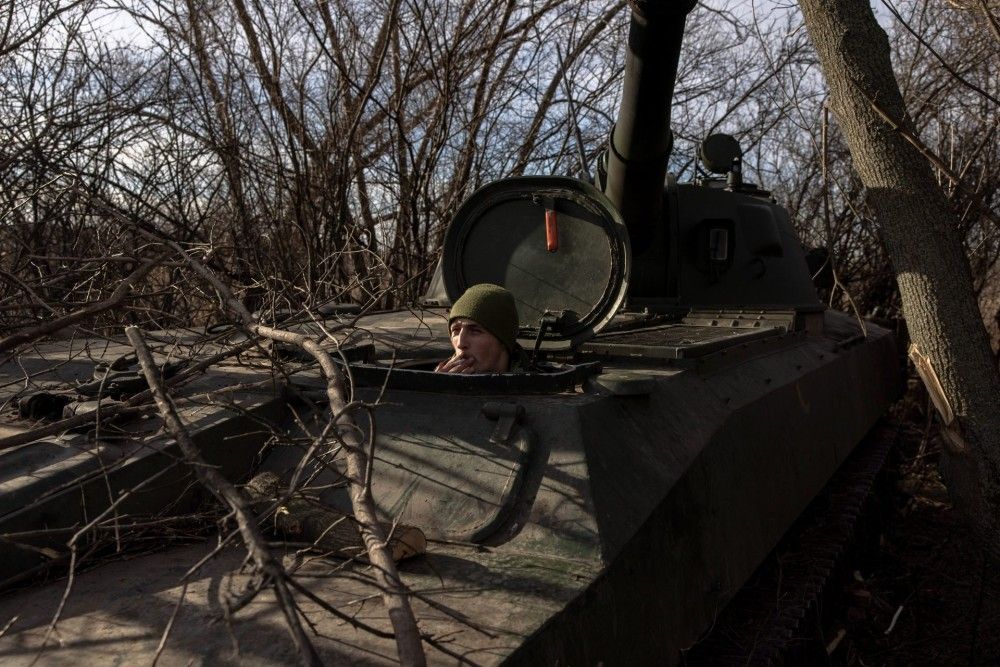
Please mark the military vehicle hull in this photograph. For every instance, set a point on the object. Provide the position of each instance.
(604, 522)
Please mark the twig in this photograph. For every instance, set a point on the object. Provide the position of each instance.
(27, 290)
(832, 646)
(62, 605)
(7, 625)
(895, 617)
(170, 625)
(829, 227)
(393, 592)
(132, 406)
(122, 291)
(347, 618)
(361, 625)
(222, 489)
(948, 68)
(938, 163)
(992, 20)
(65, 597)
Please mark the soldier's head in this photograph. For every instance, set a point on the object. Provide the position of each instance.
(483, 329)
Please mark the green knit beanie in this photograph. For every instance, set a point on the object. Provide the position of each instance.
(491, 307)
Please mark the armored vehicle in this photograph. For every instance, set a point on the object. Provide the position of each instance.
(689, 396)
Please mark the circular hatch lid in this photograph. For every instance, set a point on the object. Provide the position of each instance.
(557, 243)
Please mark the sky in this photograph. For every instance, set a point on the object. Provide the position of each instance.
(119, 26)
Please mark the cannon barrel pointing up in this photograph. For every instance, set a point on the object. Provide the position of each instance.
(641, 140)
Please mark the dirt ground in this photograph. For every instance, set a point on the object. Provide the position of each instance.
(924, 592)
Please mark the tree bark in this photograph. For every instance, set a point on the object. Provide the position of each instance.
(921, 236)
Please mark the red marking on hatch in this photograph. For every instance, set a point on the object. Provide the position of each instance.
(551, 231)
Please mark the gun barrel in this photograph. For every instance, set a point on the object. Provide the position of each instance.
(641, 140)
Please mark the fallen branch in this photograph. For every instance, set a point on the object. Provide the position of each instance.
(325, 528)
(133, 406)
(46, 328)
(222, 489)
(393, 592)
(895, 617)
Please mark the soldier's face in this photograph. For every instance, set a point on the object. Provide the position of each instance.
(476, 350)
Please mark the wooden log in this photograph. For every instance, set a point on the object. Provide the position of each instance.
(303, 519)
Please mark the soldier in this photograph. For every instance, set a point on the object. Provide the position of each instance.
(483, 327)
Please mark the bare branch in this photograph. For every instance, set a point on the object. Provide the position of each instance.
(222, 489)
(117, 297)
(394, 594)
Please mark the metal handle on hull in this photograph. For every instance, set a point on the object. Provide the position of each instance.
(512, 432)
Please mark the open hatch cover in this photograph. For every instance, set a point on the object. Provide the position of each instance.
(557, 243)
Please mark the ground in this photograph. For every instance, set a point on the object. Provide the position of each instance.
(923, 593)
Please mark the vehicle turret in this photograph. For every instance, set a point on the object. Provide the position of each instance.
(640, 240)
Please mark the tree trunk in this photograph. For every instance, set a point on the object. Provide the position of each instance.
(920, 234)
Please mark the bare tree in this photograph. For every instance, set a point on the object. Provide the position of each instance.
(922, 236)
